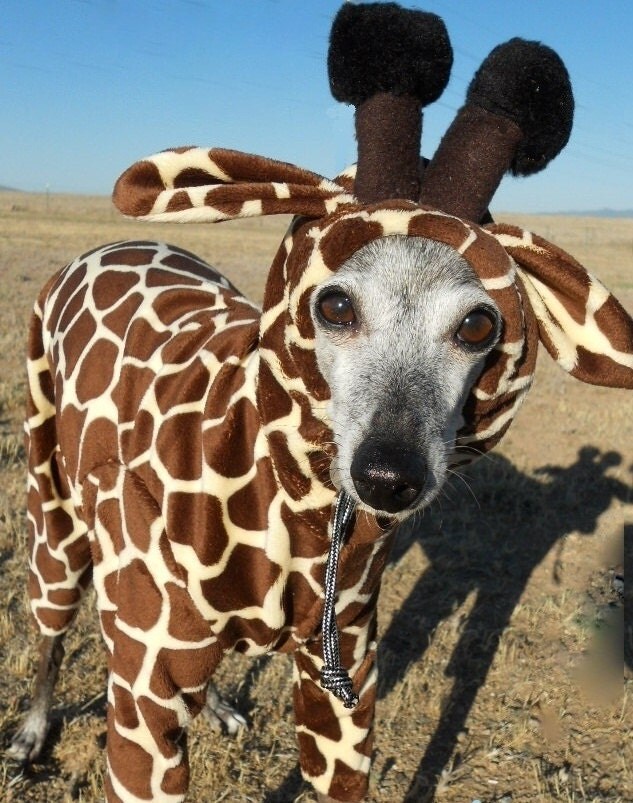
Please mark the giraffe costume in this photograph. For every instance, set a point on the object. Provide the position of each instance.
(178, 437)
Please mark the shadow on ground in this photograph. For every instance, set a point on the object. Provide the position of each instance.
(493, 557)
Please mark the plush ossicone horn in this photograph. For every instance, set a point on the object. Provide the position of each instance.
(517, 117)
(388, 62)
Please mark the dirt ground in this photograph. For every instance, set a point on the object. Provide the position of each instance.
(501, 624)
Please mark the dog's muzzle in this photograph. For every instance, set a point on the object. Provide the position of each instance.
(387, 476)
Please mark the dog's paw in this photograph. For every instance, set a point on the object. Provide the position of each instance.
(29, 738)
(220, 715)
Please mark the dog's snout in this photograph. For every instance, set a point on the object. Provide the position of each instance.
(388, 477)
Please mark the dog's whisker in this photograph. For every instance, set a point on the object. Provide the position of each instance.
(457, 475)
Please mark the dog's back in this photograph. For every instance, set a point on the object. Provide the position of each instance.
(115, 338)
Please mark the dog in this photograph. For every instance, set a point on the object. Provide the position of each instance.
(383, 341)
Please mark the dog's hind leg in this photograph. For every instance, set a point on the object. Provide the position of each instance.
(29, 739)
(59, 550)
(220, 714)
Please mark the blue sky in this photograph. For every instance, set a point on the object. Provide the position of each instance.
(89, 86)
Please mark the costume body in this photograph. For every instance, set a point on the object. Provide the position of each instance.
(164, 478)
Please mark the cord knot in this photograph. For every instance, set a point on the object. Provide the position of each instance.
(336, 680)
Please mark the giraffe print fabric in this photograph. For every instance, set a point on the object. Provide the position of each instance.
(179, 448)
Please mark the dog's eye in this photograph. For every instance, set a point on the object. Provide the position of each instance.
(336, 308)
(478, 328)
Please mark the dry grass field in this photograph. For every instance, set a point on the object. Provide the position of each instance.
(501, 663)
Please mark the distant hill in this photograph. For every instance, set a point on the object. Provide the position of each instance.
(604, 212)
(596, 213)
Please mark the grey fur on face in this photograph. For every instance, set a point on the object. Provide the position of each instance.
(388, 343)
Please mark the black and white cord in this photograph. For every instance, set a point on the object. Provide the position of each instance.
(334, 677)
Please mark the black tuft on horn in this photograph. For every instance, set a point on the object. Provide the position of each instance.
(382, 47)
(528, 83)
(388, 62)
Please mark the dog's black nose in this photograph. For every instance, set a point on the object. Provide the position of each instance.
(388, 477)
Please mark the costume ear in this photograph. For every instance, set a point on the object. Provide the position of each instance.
(185, 185)
(582, 325)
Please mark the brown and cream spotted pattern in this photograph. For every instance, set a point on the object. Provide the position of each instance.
(179, 449)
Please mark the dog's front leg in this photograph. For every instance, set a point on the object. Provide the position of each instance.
(157, 684)
(335, 742)
(162, 650)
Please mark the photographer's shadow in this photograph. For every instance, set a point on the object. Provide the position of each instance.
(491, 551)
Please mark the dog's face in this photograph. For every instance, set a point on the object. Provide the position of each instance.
(402, 332)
